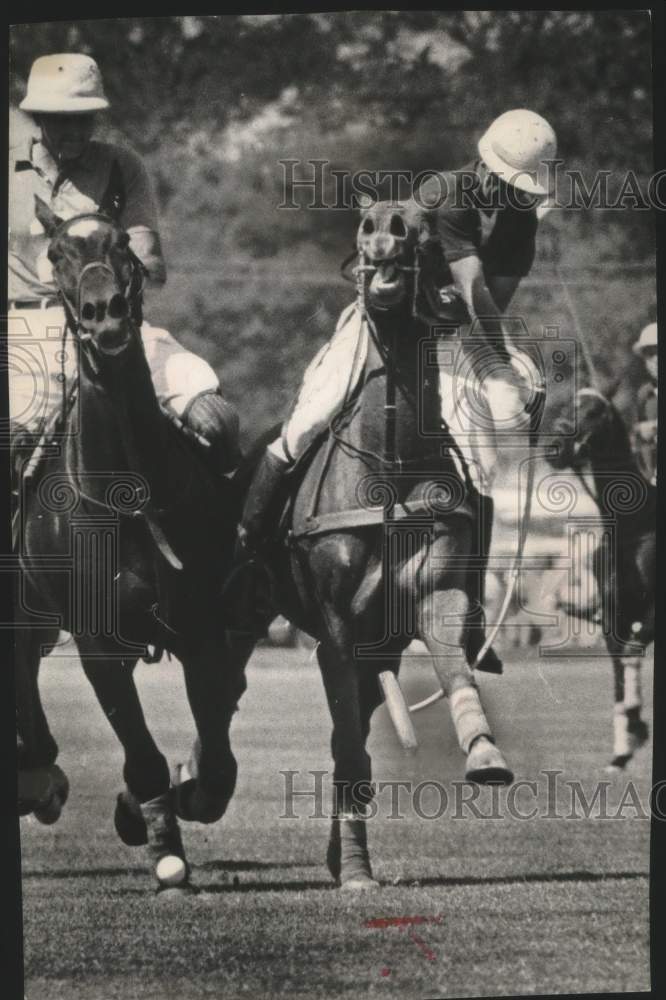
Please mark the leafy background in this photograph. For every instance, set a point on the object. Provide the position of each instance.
(213, 104)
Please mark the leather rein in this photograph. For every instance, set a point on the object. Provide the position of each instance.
(133, 294)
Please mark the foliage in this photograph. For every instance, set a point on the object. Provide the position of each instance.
(214, 103)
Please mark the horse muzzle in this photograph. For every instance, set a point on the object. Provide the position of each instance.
(387, 286)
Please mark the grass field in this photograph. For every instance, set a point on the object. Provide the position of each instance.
(547, 905)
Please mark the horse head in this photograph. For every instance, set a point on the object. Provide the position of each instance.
(99, 278)
(590, 435)
(395, 241)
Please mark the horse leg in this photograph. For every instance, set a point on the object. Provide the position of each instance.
(350, 699)
(204, 786)
(630, 732)
(442, 615)
(43, 787)
(144, 811)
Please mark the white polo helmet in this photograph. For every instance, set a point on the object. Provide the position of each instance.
(648, 338)
(64, 84)
(517, 146)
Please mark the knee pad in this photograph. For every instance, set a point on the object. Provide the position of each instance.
(216, 420)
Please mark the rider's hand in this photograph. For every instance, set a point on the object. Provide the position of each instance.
(527, 371)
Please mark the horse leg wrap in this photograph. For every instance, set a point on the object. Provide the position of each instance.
(468, 716)
(621, 743)
(632, 684)
(485, 764)
(347, 858)
(164, 841)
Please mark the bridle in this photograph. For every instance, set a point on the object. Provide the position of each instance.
(133, 294)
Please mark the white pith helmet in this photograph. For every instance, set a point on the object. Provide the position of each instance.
(648, 338)
(64, 84)
(516, 147)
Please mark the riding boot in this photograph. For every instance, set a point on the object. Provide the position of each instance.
(250, 589)
(491, 663)
(259, 502)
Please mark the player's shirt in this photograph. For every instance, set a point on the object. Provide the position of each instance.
(502, 237)
(78, 189)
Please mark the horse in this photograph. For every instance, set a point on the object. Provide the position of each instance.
(624, 562)
(378, 543)
(125, 535)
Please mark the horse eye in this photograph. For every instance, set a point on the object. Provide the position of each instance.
(398, 227)
(88, 312)
(368, 226)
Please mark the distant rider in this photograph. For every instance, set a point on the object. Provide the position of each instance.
(74, 173)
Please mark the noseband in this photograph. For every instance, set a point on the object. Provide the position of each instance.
(132, 292)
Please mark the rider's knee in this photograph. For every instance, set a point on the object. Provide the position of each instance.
(215, 419)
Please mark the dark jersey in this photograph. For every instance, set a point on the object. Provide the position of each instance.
(502, 237)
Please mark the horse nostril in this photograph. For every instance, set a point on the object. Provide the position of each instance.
(117, 307)
(88, 312)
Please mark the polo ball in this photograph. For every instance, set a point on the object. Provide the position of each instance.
(171, 870)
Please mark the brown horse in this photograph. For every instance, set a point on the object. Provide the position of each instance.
(624, 563)
(383, 541)
(124, 537)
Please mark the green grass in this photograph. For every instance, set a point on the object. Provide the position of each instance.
(543, 906)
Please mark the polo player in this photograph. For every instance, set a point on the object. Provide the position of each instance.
(645, 429)
(74, 174)
(486, 222)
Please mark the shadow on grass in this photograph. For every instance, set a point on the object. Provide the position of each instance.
(303, 885)
(210, 866)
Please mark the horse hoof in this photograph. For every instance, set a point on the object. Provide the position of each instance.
(49, 811)
(193, 803)
(618, 764)
(130, 826)
(359, 883)
(486, 765)
(34, 787)
(639, 733)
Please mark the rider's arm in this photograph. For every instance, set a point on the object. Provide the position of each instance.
(471, 283)
(139, 217)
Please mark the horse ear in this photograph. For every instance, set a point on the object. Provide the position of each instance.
(48, 219)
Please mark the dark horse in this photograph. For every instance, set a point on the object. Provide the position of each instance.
(624, 561)
(124, 538)
(382, 542)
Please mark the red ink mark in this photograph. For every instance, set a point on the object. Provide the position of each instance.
(406, 923)
(420, 943)
(400, 921)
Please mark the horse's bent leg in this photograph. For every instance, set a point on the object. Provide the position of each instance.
(144, 812)
(215, 681)
(42, 785)
(442, 620)
(351, 701)
(146, 771)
